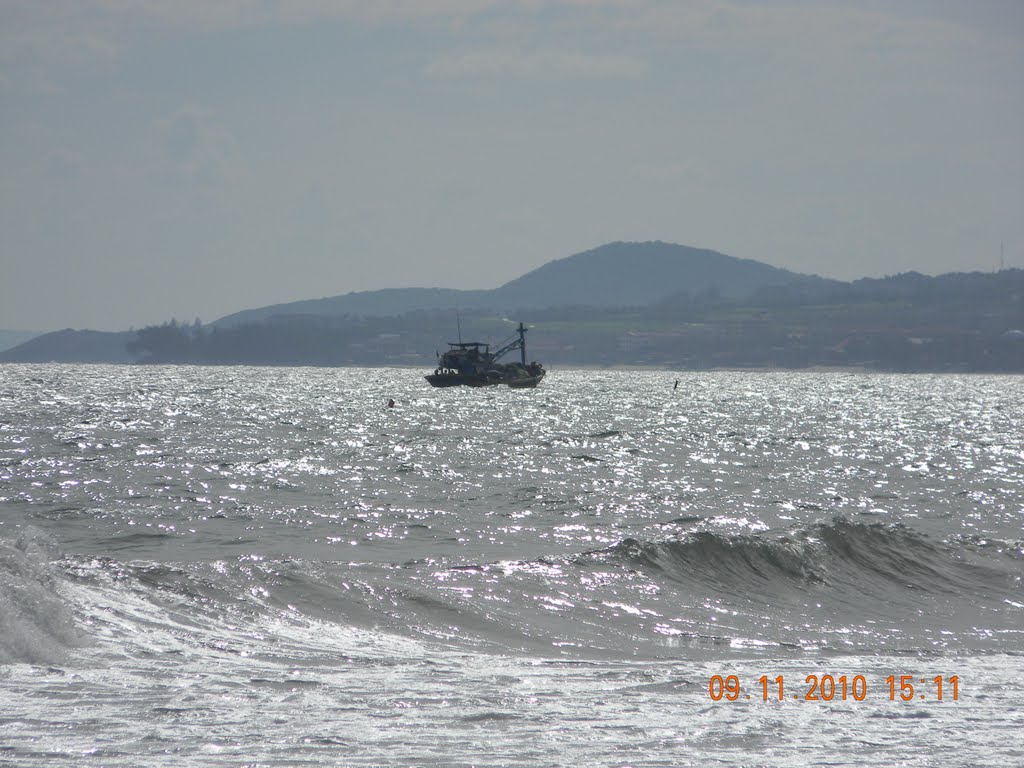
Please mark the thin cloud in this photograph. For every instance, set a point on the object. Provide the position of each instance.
(227, 13)
(835, 31)
(504, 62)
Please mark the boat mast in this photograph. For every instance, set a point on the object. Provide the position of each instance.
(522, 342)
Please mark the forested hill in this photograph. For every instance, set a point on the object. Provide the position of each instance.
(638, 274)
(613, 275)
(906, 322)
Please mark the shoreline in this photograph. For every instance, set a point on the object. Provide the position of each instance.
(668, 369)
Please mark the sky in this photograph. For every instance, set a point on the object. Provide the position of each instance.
(190, 159)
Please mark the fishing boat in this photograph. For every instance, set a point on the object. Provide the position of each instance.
(472, 364)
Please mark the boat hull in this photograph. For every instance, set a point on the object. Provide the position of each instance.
(462, 380)
(525, 382)
(452, 379)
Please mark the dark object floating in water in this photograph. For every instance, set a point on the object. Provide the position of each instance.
(472, 364)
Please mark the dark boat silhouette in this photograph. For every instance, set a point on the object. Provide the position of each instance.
(472, 364)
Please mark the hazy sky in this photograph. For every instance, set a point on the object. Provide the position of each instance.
(193, 157)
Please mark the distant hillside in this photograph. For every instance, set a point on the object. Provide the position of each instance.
(637, 274)
(69, 346)
(388, 302)
(9, 338)
(614, 275)
(907, 322)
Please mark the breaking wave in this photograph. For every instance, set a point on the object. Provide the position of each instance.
(36, 622)
(783, 589)
(841, 554)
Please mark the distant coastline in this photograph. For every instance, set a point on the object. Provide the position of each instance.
(691, 310)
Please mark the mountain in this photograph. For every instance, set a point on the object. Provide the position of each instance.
(637, 274)
(70, 346)
(613, 275)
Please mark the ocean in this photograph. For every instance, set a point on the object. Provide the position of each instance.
(269, 567)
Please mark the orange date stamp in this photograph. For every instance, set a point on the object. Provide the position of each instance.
(836, 688)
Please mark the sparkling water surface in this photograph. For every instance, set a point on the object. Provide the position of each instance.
(267, 566)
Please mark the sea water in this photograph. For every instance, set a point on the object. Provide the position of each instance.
(270, 567)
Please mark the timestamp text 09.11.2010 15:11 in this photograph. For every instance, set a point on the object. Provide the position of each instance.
(837, 688)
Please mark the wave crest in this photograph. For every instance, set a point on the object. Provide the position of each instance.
(839, 553)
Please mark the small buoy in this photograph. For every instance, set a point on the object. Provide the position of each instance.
(391, 403)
